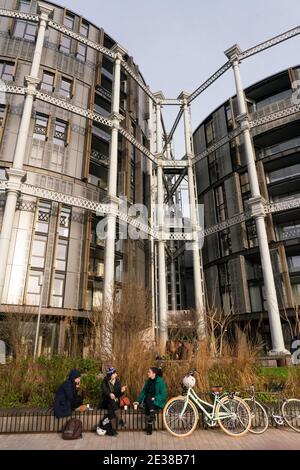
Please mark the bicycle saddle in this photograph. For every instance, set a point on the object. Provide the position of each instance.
(216, 389)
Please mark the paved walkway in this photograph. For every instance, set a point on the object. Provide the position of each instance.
(280, 439)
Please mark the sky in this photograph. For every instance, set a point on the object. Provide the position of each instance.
(179, 44)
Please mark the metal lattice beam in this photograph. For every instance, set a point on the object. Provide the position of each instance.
(209, 82)
(139, 146)
(142, 85)
(270, 43)
(224, 140)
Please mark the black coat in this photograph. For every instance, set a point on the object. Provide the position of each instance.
(67, 398)
(107, 388)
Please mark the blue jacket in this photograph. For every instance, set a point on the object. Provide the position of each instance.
(67, 398)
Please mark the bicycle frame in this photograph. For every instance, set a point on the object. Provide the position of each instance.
(192, 395)
(278, 418)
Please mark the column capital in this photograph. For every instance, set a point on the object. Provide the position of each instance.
(243, 121)
(45, 11)
(159, 96)
(116, 118)
(33, 81)
(233, 53)
(160, 159)
(256, 204)
(112, 200)
(184, 95)
(15, 179)
(119, 50)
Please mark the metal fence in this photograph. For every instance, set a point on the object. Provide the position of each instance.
(44, 421)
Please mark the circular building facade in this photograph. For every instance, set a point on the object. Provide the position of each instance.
(232, 267)
(55, 262)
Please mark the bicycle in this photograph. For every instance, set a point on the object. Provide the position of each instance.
(288, 412)
(231, 413)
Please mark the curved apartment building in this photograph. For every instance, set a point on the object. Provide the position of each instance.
(231, 259)
(55, 262)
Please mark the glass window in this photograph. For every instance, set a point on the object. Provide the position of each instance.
(2, 114)
(24, 6)
(99, 131)
(48, 81)
(65, 221)
(256, 298)
(289, 231)
(282, 95)
(65, 44)
(283, 173)
(58, 290)
(34, 288)
(69, 20)
(66, 86)
(40, 127)
(296, 292)
(209, 132)
(43, 217)
(294, 264)
(25, 30)
(213, 167)
(84, 29)
(285, 145)
(81, 51)
(7, 70)
(102, 106)
(221, 203)
(61, 255)
(229, 117)
(60, 132)
(38, 252)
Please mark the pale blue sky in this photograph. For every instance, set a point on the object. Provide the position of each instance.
(178, 44)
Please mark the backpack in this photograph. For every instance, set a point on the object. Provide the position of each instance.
(72, 430)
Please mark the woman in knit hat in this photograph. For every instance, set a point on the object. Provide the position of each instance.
(112, 390)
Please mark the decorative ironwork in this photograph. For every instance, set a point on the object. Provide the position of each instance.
(19, 15)
(25, 205)
(209, 81)
(93, 45)
(74, 109)
(275, 116)
(224, 140)
(40, 130)
(284, 205)
(99, 157)
(138, 81)
(139, 146)
(7, 88)
(235, 220)
(270, 43)
(174, 164)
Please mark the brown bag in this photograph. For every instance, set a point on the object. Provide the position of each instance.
(124, 401)
(72, 430)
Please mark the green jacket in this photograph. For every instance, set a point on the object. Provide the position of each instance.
(160, 393)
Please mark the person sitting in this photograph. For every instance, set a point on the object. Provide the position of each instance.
(153, 396)
(112, 390)
(68, 396)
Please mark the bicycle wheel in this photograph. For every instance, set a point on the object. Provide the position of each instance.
(259, 417)
(291, 413)
(180, 426)
(233, 416)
